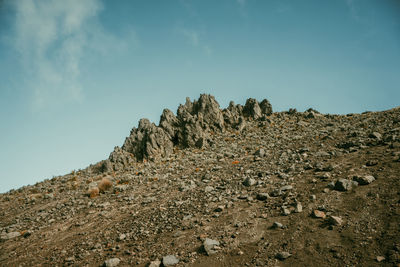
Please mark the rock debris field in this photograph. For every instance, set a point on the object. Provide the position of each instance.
(240, 186)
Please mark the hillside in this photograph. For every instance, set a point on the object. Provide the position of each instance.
(240, 186)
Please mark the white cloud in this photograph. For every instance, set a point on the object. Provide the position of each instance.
(51, 37)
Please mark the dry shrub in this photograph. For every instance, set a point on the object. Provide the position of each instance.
(104, 185)
(93, 192)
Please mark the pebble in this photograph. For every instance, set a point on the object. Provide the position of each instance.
(298, 207)
(335, 220)
(285, 211)
(277, 225)
(283, 255)
(380, 258)
(111, 262)
(286, 187)
(170, 260)
(260, 152)
(208, 189)
(262, 196)
(155, 263)
(5, 236)
(318, 214)
(249, 181)
(121, 237)
(210, 245)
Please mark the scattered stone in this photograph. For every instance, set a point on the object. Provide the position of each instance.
(380, 258)
(11, 235)
(70, 259)
(219, 208)
(318, 214)
(262, 196)
(111, 262)
(121, 237)
(210, 246)
(313, 197)
(364, 180)
(371, 163)
(298, 207)
(375, 135)
(208, 189)
(286, 187)
(283, 255)
(260, 152)
(155, 263)
(170, 260)
(249, 181)
(335, 220)
(277, 225)
(344, 185)
(285, 211)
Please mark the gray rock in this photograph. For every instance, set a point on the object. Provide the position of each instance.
(266, 107)
(277, 225)
(111, 262)
(260, 152)
(119, 159)
(208, 189)
(170, 260)
(249, 181)
(364, 180)
(155, 263)
(335, 220)
(285, 211)
(148, 141)
(298, 207)
(283, 255)
(252, 109)
(344, 185)
(233, 114)
(121, 237)
(286, 187)
(70, 259)
(376, 135)
(210, 245)
(11, 235)
(262, 196)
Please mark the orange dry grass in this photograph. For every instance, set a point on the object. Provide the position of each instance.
(93, 192)
(104, 185)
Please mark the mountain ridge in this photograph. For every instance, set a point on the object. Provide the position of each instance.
(240, 186)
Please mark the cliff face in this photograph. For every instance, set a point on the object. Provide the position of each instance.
(240, 186)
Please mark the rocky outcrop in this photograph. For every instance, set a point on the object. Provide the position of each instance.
(191, 127)
(148, 141)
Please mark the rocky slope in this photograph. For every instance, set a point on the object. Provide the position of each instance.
(241, 186)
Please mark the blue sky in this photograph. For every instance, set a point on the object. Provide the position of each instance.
(76, 75)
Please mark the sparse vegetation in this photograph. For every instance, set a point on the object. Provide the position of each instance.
(93, 192)
(104, 185)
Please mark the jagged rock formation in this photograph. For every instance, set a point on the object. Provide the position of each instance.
(192, 126)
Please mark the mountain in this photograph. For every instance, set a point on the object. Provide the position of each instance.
(240, 186)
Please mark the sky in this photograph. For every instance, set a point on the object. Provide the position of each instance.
(76, 76)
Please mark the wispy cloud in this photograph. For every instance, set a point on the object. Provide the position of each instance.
(51, 37)
(194, 38)
(353, 9)
(241, 2)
